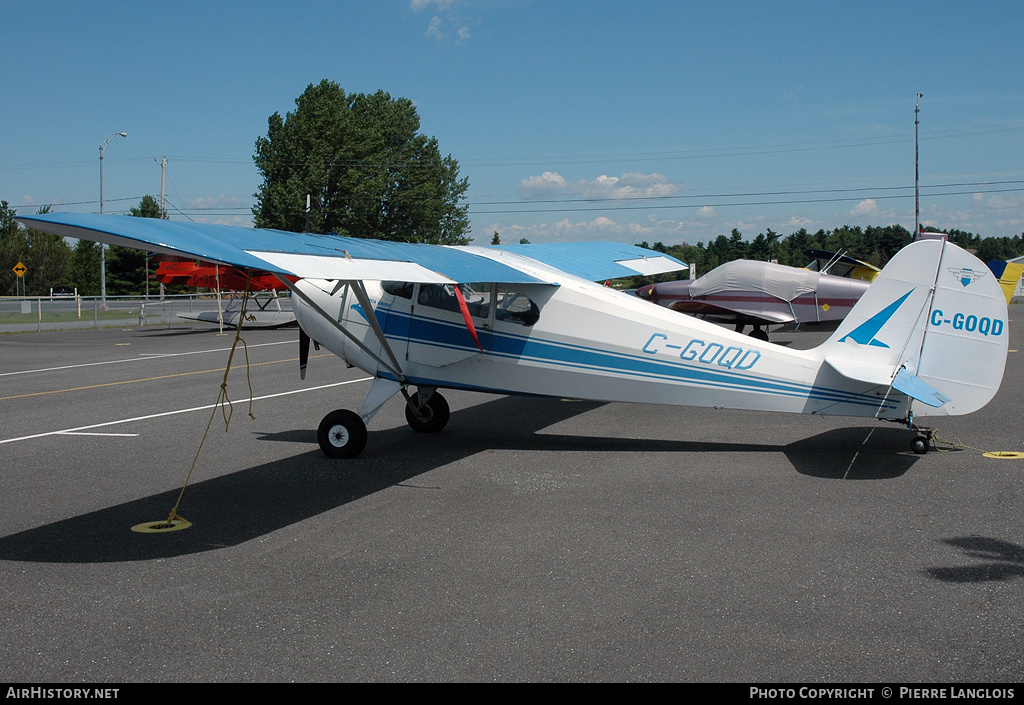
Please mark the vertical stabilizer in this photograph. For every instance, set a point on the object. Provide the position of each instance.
(933, 326)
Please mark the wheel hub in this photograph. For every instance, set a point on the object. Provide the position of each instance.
(339, 436)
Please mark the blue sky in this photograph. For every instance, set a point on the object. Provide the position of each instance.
(641, 121)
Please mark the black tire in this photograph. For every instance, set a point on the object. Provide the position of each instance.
(342, 434)
(431, 417)
(919, 445)
(759, 334)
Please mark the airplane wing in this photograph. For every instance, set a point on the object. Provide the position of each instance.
(307, 255)
(597, 261)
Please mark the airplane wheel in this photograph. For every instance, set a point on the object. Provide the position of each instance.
(919, 445)
(759, 334)
(431, 417)
(342, 434)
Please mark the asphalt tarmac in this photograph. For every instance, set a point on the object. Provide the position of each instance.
(532, 540)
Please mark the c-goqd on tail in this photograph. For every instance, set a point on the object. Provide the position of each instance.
(932, 326)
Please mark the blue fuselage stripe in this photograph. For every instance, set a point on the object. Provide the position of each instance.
(439, 334)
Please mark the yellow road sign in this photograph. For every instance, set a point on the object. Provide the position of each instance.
(20, 269)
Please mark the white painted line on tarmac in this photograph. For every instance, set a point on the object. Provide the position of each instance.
(80, 429)
(144, 356)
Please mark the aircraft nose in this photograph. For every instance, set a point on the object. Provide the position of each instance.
(646, 292)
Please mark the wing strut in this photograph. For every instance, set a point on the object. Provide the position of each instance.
(396, 370)
(364, 301)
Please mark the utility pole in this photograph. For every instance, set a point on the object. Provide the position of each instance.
(163, 178)
(917, 171)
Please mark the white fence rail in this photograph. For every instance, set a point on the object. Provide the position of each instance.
(45, 313)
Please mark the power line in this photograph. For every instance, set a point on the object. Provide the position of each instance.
(659, 155)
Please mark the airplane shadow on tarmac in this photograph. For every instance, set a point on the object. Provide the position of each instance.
(250, 503)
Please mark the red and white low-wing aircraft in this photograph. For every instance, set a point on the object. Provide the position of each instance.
(929, 335)
(268, 312)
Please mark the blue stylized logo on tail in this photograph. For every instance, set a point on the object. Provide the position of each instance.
(966, 275)
(864, 334)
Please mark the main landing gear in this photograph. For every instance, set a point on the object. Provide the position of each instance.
(430, 417)
(342, 433)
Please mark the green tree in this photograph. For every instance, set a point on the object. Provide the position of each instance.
(148, 208)
(127, 267)
(367, 171)
(48, 260)
(85, 267)
(13, 249)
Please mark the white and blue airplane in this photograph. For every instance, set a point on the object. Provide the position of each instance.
(929, 335)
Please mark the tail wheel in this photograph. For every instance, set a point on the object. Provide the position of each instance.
(919, 445)
(342, 434)
(431, 417)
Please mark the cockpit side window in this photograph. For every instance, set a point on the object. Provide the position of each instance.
(402, 289)
(482, 300)
(515, 307)
(442, 296)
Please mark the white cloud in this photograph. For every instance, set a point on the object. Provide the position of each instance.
(434, 28)
(220, 201)
(1004, 202)
(629, 185)
(547, 184)
(797, 221)
(447, 23)
(866, 207)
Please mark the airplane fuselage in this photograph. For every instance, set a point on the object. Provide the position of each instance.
(634, 351)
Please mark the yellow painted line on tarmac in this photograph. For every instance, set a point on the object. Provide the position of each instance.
(150, 379)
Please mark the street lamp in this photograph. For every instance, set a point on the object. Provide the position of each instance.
(103, 248)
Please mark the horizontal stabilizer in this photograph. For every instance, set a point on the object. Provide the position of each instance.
(861, 371)
(904, 382)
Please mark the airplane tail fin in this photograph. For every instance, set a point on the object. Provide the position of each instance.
(932, 326)
(1009, 274)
